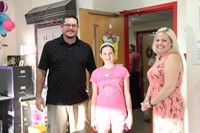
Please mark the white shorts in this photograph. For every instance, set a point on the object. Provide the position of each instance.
(110, 119)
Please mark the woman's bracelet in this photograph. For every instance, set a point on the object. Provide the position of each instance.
(150, 103)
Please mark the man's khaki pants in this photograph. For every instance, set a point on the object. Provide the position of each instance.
(61, 116)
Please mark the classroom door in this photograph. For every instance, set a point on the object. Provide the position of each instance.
(147, 56)
(95, 24)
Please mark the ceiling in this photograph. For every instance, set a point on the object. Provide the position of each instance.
(151, 17)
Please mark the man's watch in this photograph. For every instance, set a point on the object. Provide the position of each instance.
(87, 89)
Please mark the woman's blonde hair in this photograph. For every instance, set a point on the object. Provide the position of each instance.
(170, 33)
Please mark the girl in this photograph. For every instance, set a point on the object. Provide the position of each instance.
(111, 106)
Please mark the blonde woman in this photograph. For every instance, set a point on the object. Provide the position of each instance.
(165, 79)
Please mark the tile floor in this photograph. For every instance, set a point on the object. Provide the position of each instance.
(139, 125)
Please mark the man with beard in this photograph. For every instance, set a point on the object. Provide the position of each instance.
(65, 58)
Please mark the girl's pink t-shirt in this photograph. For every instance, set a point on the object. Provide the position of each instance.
(110, 83)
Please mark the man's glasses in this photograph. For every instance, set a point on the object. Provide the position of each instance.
(70, 25)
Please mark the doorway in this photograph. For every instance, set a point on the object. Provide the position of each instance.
(145, 21)
(145, 32)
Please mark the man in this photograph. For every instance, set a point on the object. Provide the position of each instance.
(66, 59)
(135, 66)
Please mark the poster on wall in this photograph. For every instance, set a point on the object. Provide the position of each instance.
(44, 34)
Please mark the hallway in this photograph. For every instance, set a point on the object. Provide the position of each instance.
(139, 125)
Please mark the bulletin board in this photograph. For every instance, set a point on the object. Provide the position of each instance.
(44, 33)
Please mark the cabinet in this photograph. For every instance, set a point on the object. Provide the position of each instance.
(16, 82)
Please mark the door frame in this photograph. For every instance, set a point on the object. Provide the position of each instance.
(150, 9)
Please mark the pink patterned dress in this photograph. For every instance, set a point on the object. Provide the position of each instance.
(168, 115)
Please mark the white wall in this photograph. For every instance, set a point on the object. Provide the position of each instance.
(193, 64)
(181, 26)
(152, 25)
(105, 5)
(121, 5)
(10, 39)
(147, 26)
(89, 4)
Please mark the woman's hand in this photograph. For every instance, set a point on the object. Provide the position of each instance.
(145, 106)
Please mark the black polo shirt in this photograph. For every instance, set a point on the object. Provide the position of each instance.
(67, 66)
